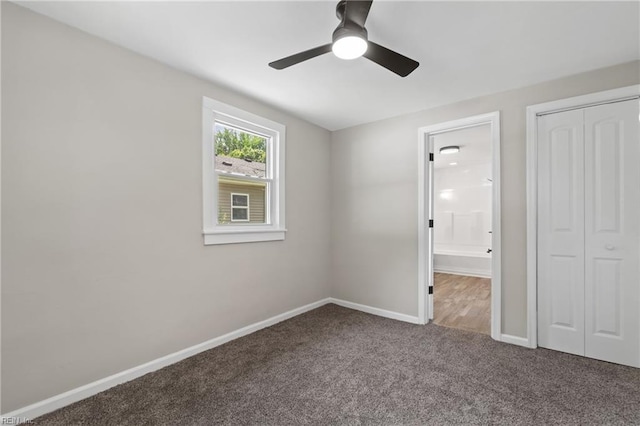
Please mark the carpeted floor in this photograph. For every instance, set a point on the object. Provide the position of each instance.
(334, 366)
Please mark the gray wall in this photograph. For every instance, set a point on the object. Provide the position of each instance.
(375, 196)
(103, 264)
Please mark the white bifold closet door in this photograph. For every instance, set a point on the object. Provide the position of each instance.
(561, 231)
(589, 232)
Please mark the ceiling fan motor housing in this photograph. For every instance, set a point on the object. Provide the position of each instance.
(340, 8)
(349, 29)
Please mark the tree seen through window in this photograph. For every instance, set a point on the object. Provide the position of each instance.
(234, 143)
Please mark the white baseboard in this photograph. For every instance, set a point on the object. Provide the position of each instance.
(48, 405)
(515, 340)
(463, 271)
(51, 404)
(376, 311)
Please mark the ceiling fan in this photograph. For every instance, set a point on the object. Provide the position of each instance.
(350, 41)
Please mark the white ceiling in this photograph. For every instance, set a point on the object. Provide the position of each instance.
(474, 143)
(465, 49)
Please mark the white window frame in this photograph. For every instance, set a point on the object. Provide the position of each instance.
(248, 219)
(274, 229)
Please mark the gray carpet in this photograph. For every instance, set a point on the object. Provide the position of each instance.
(337, 366)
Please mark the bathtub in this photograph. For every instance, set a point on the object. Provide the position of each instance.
(472, 263)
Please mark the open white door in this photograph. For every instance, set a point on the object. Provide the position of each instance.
(430, 231)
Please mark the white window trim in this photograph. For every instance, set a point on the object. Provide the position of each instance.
(275, 228)
(248, 219)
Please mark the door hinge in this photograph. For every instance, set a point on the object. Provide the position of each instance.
(430, 223)
(430, 289)
(431, 156)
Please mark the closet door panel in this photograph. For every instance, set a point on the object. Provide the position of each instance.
(561, 232)
(612, 232)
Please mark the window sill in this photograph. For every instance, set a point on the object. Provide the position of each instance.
(237, 236)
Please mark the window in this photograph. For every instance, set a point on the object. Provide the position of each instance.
(239, 207)
(243, 176)
(241, 159)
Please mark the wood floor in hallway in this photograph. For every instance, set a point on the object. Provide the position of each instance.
(462, 302)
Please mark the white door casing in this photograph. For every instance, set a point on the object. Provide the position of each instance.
(425, 234)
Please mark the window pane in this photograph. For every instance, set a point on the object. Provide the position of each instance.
(239, 213)
(239, 200)
(240, 152)
(254, 205)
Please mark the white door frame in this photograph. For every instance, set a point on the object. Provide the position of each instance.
(533, 112)
(425, 199)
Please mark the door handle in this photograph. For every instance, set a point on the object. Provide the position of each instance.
(610, 247)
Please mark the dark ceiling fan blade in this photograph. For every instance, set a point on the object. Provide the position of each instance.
(300, 57)
(357, 11)
(391, 60)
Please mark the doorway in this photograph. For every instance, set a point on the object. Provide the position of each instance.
(462, 203)
(459, 224)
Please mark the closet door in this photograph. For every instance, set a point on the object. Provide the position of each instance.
(612, 232)
(561, 232)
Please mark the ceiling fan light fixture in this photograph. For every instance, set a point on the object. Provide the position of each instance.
(349, 47)
(350, 40)
(449, 149)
